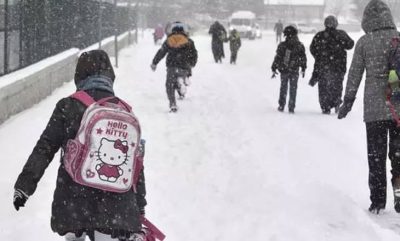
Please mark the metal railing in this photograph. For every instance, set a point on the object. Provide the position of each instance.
(31, 30)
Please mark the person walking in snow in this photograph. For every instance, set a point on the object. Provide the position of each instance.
(289, 59)
(79, 210)
(278, 28)
(181, 58)
(158, 34)
(234, 44)
(328, 48)
(371, 55)
(219, 36)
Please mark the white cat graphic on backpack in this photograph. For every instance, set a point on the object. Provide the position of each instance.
(112, 154)
(104, 153)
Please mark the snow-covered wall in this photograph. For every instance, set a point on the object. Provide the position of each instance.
(24, 88)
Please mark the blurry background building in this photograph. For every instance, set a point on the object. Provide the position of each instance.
(294, 10)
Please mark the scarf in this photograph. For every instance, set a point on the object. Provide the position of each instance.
(98, 82)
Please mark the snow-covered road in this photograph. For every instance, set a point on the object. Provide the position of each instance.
(228, 166)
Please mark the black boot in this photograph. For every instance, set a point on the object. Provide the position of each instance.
(376, 208)
(326, 111)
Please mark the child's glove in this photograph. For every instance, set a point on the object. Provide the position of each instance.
(20, 199)
(345, 108)
(137, 237)
(153, 67)
(274, 74)
(120, 234)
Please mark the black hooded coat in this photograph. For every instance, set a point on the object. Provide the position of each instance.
(219, 35)
(78, 208)
(329, 50)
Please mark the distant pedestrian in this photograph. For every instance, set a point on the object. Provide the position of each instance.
(158, 34)
(329, 50)
(219, 36)
(234, 44)
(278, 28)
(289, 59)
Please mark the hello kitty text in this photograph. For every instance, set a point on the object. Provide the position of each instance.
(117, 129)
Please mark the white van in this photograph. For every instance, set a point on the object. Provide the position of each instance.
(245, 23)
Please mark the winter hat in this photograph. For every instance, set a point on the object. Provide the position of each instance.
(178, 27)
(95, 62)
(331, 22)
(377, 15)
(290, 31)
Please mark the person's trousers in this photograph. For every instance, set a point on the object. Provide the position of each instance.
(377, 145)
(233, 56)
(288, 80)
(330, 88)
(172, 83)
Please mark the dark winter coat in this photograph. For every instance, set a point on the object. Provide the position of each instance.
(290, 56)
(76, 207)
(219, 35)
(371, 54)
(234, 42)
(329, 50)
(180, 50)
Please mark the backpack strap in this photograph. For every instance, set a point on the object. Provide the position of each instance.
(137, 169)
(120, 102)
(83, 97)
(395, 44)
(87, 100)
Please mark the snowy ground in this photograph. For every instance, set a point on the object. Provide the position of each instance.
(227, 166)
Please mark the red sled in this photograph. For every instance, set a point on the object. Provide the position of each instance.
(152, 233)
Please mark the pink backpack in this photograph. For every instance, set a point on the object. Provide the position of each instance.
(106, 153)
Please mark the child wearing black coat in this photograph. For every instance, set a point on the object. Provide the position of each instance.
(290, 57)
(234, 44)
(181, 58)
(79, 210)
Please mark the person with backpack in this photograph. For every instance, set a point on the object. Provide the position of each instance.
(181, 58)
(289, 59)
(234, 44)
(328, 48)
(219, 36)
(372, 54)
(99, 197)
